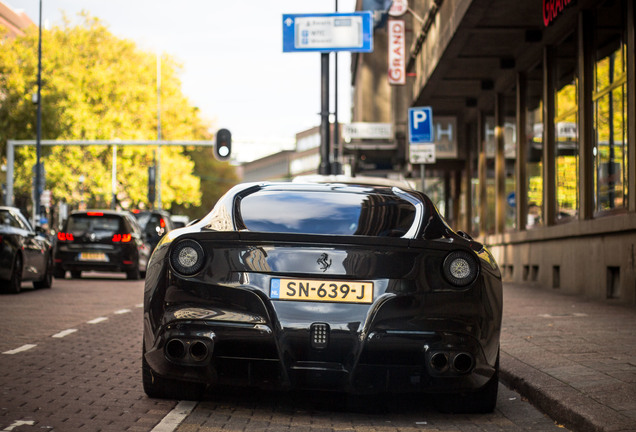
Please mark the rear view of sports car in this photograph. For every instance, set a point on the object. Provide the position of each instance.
(351, 288)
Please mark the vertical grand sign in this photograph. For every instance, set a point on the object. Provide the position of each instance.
(397, 63)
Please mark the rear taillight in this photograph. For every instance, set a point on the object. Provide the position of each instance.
(94, 214)
(162, 223)
(62, 236)
(122, 238)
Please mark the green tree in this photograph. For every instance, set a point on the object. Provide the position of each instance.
(96, 86)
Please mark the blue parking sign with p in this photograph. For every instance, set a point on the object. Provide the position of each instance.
(420, 125)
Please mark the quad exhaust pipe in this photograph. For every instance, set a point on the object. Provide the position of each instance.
(183, 350)
(442, 362)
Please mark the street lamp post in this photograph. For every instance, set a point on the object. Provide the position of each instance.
(82, 204)
(38, 145)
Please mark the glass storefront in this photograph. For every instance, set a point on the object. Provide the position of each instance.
(610, 120)
(566, 131)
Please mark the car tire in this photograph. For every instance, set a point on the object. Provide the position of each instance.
(133, 274)
(76, 274)
(483, 401)
(47, 280)
(164, 388)
(15, 283)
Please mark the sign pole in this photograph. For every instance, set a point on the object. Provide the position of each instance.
(336, 166)
(423, 178)
(325, 163)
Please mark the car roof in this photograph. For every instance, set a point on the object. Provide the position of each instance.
(104, 211)
(402, 183)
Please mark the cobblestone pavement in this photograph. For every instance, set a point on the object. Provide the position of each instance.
(83, 374)
(574, 358)
(87, 377)
(236, 411)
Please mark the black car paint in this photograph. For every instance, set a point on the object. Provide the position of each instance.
(385, 346)
(137, 251)
(24, 246)
(150, 222)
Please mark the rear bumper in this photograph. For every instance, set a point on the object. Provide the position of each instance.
(253, 355)
(117, 261)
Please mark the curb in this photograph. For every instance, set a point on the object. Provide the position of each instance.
(561, 402)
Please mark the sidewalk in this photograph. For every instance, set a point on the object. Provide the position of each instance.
(573, 358)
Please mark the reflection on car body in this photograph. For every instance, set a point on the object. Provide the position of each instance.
(154, 224)
(25, 255)
(332, 286)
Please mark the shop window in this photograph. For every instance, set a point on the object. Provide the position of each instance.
(566, 131)
(610, 124)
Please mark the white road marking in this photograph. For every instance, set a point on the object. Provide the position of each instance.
(64, 333)
(97, 320)
(175, 417)
(140, 305)
(17, 423)
(21, 349)
(122, 311)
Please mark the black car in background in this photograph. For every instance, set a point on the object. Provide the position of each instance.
(343, 287)
(101, 240)
(25, 255)
(154, 224)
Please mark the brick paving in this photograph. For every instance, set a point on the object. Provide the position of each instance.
(574, 358)
(245, 411)
(89, 380)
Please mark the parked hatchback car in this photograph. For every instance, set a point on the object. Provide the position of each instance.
(331, 286)
(154, 224)
(25, 254)
(101, 240)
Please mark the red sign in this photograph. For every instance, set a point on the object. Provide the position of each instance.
(397, 46)
(553, 8)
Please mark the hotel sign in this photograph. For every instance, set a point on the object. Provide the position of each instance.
(553, 8)
(367, 131)
(397, 61)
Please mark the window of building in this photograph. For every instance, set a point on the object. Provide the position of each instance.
(610, 114)
(566, 131)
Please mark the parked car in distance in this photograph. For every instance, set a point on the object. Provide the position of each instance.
(25, 254)
(179, 221)
(154, 224)
(325, 286)
(101, 240)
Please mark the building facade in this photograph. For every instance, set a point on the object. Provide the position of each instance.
(541, 99)
(14, 21)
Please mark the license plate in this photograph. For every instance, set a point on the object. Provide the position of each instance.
(321, 290)
(93, 256)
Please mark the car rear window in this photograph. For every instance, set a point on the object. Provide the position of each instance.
(335, 213)
(103, 224)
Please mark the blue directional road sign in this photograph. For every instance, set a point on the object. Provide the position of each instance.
(351, 32)
(420, 125)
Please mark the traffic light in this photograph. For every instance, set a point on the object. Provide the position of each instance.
(223, 145)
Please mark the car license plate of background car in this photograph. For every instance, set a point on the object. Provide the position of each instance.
(92, 256)
(321, 290)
